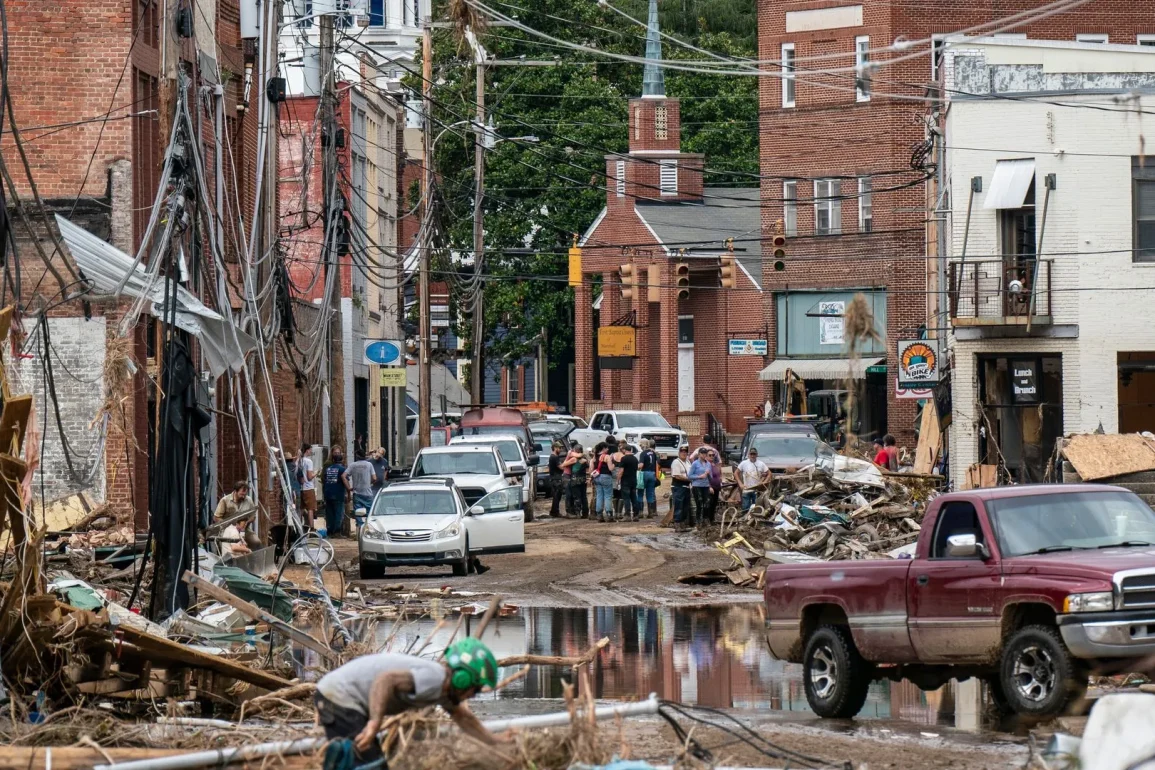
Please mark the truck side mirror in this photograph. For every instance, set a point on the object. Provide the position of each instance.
(965, 546)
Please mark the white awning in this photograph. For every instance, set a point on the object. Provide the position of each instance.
(819, 368)
(1009, 184)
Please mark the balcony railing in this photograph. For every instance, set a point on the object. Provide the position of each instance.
(998, 293)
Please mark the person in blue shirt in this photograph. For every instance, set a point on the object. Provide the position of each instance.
(336, 489)
(700, 484)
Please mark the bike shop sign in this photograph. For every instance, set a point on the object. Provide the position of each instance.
(918, 363)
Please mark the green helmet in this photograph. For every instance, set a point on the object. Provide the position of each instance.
(472, 664)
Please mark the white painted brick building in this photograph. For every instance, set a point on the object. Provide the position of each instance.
(1025, 116)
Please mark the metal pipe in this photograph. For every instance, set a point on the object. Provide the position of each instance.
(304, 745)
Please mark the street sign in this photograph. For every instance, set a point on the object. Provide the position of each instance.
(393, 377)
(384, 352)
(748, 347)
(616, 341)
(918, 363)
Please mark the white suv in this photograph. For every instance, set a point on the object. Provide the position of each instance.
(426, 522)
(513, 452)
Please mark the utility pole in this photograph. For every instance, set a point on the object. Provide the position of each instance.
(476, 371)
(332, 219)
(424, 395)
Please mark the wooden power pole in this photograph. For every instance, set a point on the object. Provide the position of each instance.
(333, 220)
(425, 363)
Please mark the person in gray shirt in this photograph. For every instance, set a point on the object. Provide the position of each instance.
(362, 477)
(352, 701)
(380, 467)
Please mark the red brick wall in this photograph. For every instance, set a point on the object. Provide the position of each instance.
(828, 133)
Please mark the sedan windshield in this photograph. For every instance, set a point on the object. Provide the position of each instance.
(509, 451)
(1071, 521)
(449, 463)
(641, 420)
(786, 446)
(408, 503)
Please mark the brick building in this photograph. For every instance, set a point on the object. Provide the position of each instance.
(846, 161)
(662, 223)
(94, 85)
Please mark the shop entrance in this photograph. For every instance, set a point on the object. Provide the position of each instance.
(1021, 402)
(1136, 392)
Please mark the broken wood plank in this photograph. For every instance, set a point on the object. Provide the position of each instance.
(706, 578)
(254, 612)
(740, 576)
(14, 423)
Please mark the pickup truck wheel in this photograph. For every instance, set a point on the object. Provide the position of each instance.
(1039, 677)
(835, 676)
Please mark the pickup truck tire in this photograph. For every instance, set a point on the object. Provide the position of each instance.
(1038, 674)
(835, 676)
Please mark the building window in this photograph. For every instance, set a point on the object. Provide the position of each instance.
(377, 13)
(827, 207)
(405, 14)
(1143, 177)
(416, 11)
(1017, 236)
(790, 206)
(620, 178)
(787, 74)
(305, 18)
(668, 182)
(1088, 38)
(660, 124)
(637, 122)
(865, 207)
(937, 46)
(1145, 40)
(862, 68)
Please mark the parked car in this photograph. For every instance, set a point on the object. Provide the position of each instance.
(783, 446)
(513, 452)
(545, 433)
(426, 522)
(630, 426)
(1028, 588)
(477, 470)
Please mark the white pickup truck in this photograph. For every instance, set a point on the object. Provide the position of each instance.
(631, 426)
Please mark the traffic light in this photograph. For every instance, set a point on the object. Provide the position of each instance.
(575, 265)
(629, 276)
(779, 252)
(682, 279)
(728, 277)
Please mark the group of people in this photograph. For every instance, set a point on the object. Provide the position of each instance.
(359, 482)
(625, 480)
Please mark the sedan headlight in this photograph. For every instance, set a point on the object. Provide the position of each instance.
(372, 534)
(453, 530)
(1100, 601)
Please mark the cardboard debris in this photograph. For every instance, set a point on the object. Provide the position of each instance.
(1101, 456)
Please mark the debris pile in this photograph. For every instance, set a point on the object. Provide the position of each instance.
(837, 509)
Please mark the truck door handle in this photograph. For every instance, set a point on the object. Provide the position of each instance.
(923, 579)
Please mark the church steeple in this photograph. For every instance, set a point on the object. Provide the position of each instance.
(653, 77)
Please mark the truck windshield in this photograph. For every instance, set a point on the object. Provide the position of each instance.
(449, 463)
(641, 420)
(1071, 521)
(787, 446)
(410, 503)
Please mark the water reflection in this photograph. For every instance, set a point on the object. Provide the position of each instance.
(710, 656)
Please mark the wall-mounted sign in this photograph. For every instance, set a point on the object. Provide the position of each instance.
(1025, 381)
(748, 347)
(384, 352)
(393, 377)
(919, 364)
(617, 341)
(831, 329)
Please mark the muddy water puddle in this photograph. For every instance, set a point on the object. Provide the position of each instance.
(710, 656)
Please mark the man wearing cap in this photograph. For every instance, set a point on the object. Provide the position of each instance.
(753, 476)
(353, 701)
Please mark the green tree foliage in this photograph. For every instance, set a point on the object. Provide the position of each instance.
(539, 195)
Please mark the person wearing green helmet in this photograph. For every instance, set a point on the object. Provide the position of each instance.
(352, 701)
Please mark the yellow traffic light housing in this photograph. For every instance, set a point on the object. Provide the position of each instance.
(727, 271)
(682, 279)
(779, 253)
(629, 276)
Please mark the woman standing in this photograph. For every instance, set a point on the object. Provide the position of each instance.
(603, 481)
(648, 463)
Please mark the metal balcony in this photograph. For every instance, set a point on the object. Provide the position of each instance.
(996, 293)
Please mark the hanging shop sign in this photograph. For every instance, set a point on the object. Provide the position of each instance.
(1025, 381)
(748, 347)
(383, 352)
(831, 327)
(919, 363)
(617, 341)
(393, 377)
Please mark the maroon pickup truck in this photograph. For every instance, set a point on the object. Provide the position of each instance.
(1027, 587)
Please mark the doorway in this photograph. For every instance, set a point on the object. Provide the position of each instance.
(1022, 413)
(360, 415)
(1136, 392)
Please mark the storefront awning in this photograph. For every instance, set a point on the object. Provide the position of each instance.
(819, 368)
(1010, 183)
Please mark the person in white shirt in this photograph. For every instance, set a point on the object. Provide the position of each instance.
(753, 476)
(307, 476)
(680, 488)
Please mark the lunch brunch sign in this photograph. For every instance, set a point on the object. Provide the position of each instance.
(918, 363)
